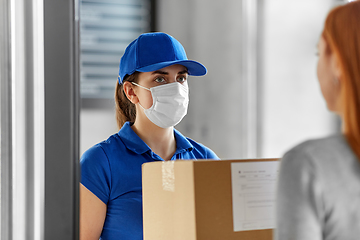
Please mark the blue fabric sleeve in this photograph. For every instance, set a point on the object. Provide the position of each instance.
(95, 172)
(211, 155)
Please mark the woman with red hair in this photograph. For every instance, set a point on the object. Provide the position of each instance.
(319, 181)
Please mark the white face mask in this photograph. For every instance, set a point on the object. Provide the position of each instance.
(170, 103)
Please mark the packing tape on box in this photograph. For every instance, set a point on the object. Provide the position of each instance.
(168, 176)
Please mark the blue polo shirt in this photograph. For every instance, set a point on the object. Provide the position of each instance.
(112, 171)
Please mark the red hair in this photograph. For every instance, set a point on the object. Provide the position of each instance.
(342, 33)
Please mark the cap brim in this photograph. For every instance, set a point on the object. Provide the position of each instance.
(194, 68)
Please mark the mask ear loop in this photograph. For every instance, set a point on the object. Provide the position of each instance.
(140, 86)
(143, 88)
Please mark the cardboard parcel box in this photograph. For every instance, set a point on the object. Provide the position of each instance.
(209, 199)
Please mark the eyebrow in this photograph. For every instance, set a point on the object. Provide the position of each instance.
(166, 73)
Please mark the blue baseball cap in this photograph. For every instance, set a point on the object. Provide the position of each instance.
(154, 51)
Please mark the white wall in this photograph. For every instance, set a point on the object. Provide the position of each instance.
(293, 107)
(96, 125)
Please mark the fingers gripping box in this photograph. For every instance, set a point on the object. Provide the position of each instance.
(209, 199)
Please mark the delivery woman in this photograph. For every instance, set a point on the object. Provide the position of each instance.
(151, 97)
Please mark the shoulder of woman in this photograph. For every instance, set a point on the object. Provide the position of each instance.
(94, 155)
(100, 150)
(204, 150)
(313, 152)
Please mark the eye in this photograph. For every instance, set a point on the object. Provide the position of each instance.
(182, 79)
(160, 80)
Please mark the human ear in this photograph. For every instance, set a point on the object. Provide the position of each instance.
(130, 93)
(335, 66)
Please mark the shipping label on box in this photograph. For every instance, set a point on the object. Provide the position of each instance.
(253, 194)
